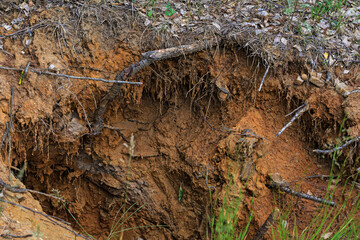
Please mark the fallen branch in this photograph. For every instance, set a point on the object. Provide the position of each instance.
(274, 215)
(297, 115)
(148, 58)
(69, 76)
(337, 148)
(49, 217)
(288, 190)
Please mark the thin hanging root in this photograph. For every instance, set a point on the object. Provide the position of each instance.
(296, 116)
(263, 79)
(288, 190)
(274, 215)
(337, 148)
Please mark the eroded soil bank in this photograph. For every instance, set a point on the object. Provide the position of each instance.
(195, 121)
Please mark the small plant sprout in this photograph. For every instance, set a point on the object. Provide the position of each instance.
(180, 193)
(169, 10)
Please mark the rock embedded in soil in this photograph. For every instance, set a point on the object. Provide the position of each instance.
(299, 81)
(342, 88)
(304, 77)
(316, 80)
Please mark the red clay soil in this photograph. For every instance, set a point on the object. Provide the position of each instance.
(185, 130)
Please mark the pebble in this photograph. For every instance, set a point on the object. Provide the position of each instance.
(299, 80)
(316, 80)
(304, 77)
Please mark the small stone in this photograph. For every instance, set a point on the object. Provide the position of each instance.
(299, 81)
(51, 66)
(316, 79)
(304, 77)
(7, 27)
(342, 88)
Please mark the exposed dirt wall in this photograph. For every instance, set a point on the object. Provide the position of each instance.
(195, 121)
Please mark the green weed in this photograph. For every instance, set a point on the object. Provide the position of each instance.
(224, 226)
(169, 10)
(324, 7)
(328, 222)
(180, 193)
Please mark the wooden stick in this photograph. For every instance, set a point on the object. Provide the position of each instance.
(296, 116)
(337, 148)
(288, 190)
(263, 79)
(274, 215)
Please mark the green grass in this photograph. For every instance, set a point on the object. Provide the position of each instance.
(224, 225)
(328, 222)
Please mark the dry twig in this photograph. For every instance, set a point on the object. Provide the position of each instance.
(263, 79)
(297, 115)
(288, 190)
(274, 215)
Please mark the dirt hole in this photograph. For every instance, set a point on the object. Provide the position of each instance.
(187, 133)
(195, 121)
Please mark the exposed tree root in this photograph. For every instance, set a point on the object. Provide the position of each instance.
(148, 58)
